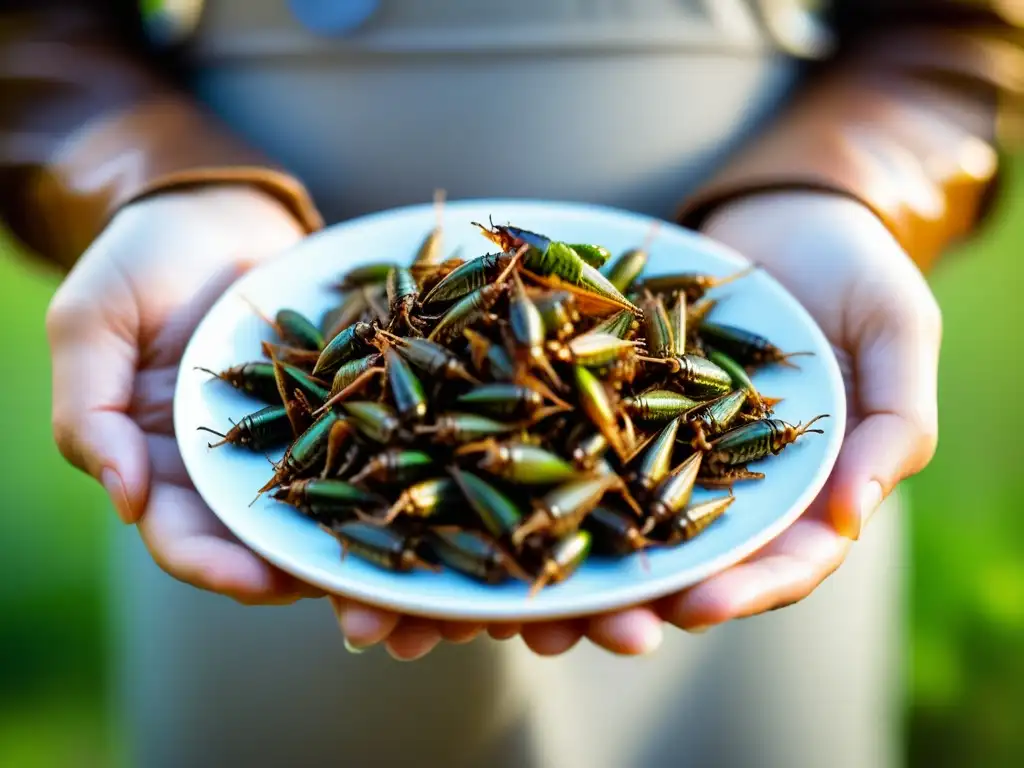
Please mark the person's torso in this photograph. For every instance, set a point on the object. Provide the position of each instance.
(376, 103)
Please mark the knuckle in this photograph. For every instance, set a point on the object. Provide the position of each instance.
(65, 435)
(926, 437)
(61, 316)
(929, 445)
(908, 305)
(70, 316)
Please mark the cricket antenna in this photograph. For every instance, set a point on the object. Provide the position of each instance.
(651, 234)
(259, 312)
(439, 200)
(223, 438)
(806, 428)
(784, 360)
(540, 583)
(719, 282)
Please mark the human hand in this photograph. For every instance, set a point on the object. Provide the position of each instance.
(874, 306)
(878, 312)
(117, 327)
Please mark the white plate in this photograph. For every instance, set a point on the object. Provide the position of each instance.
(228, 478)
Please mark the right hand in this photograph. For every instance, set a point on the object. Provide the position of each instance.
(117, 328)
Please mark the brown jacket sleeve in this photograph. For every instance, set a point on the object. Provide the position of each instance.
(906, 119)
(88, 125)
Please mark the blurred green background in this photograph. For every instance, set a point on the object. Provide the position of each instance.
(966, 676)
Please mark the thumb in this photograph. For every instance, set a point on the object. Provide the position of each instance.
(92, 327)
(897, 362)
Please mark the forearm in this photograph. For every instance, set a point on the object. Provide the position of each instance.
(87, 125)
(906, 120)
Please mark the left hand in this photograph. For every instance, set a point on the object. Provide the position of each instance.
(875, 307)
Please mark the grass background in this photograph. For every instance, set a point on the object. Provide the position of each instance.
(966, 677)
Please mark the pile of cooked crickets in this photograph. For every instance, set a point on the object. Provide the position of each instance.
(507, 415)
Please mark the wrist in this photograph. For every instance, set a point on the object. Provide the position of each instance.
(810, 205)
(810, 231)
(239, 201)
(196, 229)
(118, 159)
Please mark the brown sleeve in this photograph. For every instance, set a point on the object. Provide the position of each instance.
(906, 119)
(87, 125)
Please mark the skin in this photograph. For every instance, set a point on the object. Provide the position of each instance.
(162, 261)
(158, 267)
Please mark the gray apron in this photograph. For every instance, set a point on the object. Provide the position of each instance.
(623, 103)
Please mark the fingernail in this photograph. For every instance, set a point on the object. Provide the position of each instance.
(414, 657)
(699, 630)
(870, 500)
(651, 641)
(353, 648)
(114, 486)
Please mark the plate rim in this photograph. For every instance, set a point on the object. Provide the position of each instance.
(462, 609)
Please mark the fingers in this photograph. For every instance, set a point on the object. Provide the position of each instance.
(363, 625)
(633, 632)
(94, 351)
(503, 631)
(460, 632)
(552, 638)
(882, 450)
(413, 638)
(786, 571)
(406, 638)
(190, 544)
(897, 384)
